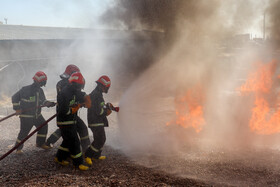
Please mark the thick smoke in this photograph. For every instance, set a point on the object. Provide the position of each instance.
(198, 51)
(274, 23)
(155, 15)
(170, 15)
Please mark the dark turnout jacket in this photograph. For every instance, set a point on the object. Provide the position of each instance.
(97, 112)
(66, 98)
(61, 84)
(29, 99)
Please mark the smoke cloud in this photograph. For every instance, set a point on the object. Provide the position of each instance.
(199, 48)
(274, 15)
(167, 16)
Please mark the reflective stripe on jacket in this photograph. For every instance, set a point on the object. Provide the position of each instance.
(96, 113)
(67, 97)
(29, 99)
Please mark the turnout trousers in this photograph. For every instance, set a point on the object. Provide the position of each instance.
(26, 124)
(99, 138)
(82, 131)
(70, 145)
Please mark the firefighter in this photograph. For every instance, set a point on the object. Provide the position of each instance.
(69, 101)
(28, 102)
(81, 126)
(97, 119)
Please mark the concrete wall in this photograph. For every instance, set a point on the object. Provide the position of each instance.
(126, 57)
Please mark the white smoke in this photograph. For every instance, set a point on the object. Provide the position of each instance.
(197, 58)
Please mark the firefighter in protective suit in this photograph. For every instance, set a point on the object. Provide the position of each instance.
(28, 102)
(69, 100)
(97, 119)
(81, 126)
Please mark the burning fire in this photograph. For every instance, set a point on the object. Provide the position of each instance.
(264, 119)
(261, 80)
(189, 109)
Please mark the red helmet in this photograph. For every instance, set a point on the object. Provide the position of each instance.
(77, 78)
(41, 78)
(69, 70)
(105, 81)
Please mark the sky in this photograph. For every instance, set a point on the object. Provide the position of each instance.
(72, 13)
(55, 13)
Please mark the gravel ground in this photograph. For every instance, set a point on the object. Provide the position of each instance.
(251, 166)
(37, 168)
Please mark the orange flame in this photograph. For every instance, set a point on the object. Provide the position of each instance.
(261, 80)
(189, 110)
(264, 119)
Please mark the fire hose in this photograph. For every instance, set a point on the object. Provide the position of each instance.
(27, 137)
(111, 107)
(7, 117)
(15, 113)
(116, 109)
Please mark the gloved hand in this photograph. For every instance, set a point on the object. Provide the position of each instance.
(87, 101)
(49, 104)
(75, 108)
(18, 112)
(108, 112)
(109, 106)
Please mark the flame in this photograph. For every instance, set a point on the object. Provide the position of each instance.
(261, 80)
(189, 109)
(264, 119)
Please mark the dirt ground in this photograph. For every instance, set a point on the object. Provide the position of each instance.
(252, 166)
(37, 168)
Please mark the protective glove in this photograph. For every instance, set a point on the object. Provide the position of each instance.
(87, 101)
(108, 112)
(18, 112)
(75, 108)
(49, 104)
(109, 106)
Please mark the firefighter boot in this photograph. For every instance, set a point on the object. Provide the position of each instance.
(49, 145)
(88, 161)
(82, 167)
(100, 158)
(63, 162)
(44, 146)
(19, 152)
